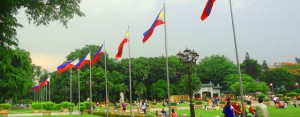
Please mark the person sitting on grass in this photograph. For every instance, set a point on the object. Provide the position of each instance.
(164, 113)
(279, 105)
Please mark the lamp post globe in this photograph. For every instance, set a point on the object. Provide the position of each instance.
(189, 57)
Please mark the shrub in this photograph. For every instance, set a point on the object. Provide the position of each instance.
(154, 103)
(198, 102)
(292, 94)
(279, 95)
(48, 105)
(65, 104)
(56, 107)
(4, 106)
(261, 95)
(173, 104)
(286, 99)
(266, 99)
(37, 105)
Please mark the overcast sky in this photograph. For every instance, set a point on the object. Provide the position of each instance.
(267, 29)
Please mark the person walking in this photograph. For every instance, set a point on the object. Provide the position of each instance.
(143, 107)
(261, 109)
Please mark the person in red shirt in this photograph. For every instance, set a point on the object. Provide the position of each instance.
(236, 108)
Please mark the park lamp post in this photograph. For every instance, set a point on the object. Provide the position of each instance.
(189, 57)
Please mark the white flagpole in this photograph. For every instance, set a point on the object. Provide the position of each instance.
(71, 92)
(167, 62)
(49, 89)
(237, 61)
(90, 84)
(78, 93)
(106, 96)
(34, 95)
(46, 92)
(129, 62)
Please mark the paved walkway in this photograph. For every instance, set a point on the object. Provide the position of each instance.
(41, 114)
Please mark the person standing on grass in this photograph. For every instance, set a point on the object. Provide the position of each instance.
(261, 109)
(144, 107)
(294, 103)
(173, 113)
(236, 108)
(124, 107)
(227, 110)
(249, 110)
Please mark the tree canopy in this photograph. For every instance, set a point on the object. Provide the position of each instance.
(38, 12)
(215, 68)
(16, 74)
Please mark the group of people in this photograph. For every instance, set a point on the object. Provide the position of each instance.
(234, 109)
(164, 113)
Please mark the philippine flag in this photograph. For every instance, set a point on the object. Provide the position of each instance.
(97, 55)
(63, 67)
(120, 49)
(84, 61)
(207, 9)
(158, 21)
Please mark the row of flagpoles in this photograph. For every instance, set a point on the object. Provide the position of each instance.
(43, 94)
(160, 20)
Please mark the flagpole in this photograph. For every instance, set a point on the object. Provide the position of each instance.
(34, 95)
(49, 89)
(273, 89)
(39, 93)
(71, 92)
(78, 92)
(46, 92)
(167, 62)
(237, 61)
(90, 84)
(106, 96)
(129, 62)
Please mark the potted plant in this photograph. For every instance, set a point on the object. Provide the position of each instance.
(4, 110)
(267, 101)
(133, 105)
(36, 106)
(48, 106)
(198, 104)
(173, 105)
(65, 106)
(111, 107)
(153, 104)
(56, 107)
(147, 108)
(82, 107)
(261, 95)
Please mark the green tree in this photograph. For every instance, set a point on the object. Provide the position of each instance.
(280, 77)
(215, 68)
(265, 66)
(251, 67)
(15, 74)
(249, 84)
(184, 84)
(297, 59)
(38, 12)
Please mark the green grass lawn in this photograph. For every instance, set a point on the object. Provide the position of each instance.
(291, 111)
